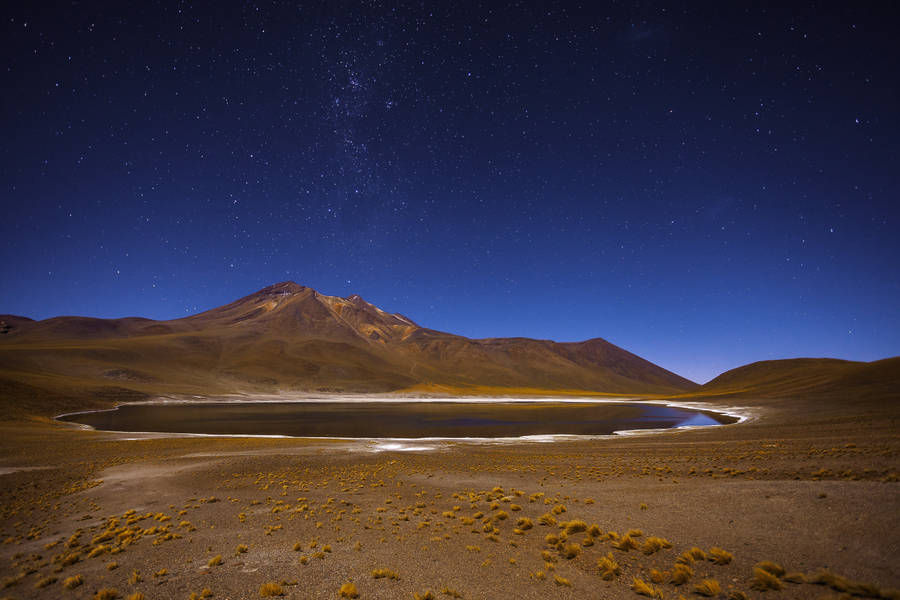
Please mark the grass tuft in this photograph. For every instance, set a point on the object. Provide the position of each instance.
(562, 581)
(107, 594)
(609, 568)
(575, 526)
(764, 580)
(643, 588)
(570, 551)
(841, 584)
(426, 595)
(795, 577)
(708, 587)
(654, 544)
(73, 582)
(773, 568)
(136, 596)
(625, 544)
(242, 548)
(681, 574)
(719, 557)
(348, 590)
(215, 561)
(270, 590)
(385, 574)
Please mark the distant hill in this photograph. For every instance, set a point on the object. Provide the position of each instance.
(290, 337)
(825, 378)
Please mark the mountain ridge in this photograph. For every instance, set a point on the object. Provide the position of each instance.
(287, 336)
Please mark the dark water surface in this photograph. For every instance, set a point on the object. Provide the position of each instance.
(395, 419)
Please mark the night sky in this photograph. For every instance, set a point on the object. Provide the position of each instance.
(705, 185)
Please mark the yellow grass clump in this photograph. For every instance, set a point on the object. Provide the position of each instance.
(708, 587)
(385, 574)
(773, 568)
(73, 582)
(135, 578)
(136, 596)
(719, 557)
(524, 523)
(575, 526)
(654, 544)
(625, 544)
(681, 574)
(841, 584)
(107, 594)
(643, 588)
(426, 595)
(44, 582)
(215, 560)
(764, 580)
(348, 590)
(795, 577)
(270, 590)
(241, 548)
(547, 519)
(562, 581)
(570, 551)
(609, 568)
(657, 576)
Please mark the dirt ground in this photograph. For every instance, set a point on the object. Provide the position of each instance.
(677, 514)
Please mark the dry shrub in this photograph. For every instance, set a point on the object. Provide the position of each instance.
(570, 551)
(654, 544)
(270, 590)
(681, 574)
(562, 581)
(348, 590)
(575, 526)
(773, 568)
(609, 568)
(215, 560)
(107, 594)
(625, 544)
(385, 573)
(657, 576)
(841, 584)
(42, 583)
(426, 595)
(764, 580)
(643, 588)
(547, 519)
(795, 577)
(73, 582)
(708, 587)
(524, 523)
(242, 548)
(719, 557)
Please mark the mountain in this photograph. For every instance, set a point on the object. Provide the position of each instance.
(290, 337)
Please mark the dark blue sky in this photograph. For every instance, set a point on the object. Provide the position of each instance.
(705, 185)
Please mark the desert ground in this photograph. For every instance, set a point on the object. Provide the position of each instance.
(800, 501)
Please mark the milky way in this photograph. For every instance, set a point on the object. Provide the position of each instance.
(704, 186)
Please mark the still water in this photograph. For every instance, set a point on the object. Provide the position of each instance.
(396, 419)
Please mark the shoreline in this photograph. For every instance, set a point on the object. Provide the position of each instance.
(397, 443)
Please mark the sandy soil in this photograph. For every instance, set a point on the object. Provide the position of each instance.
(811, 490)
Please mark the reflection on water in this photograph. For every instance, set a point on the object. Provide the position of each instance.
(396, 419)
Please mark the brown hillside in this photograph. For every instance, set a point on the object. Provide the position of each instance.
(290, 337)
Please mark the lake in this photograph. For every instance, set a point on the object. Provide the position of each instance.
(438, 419)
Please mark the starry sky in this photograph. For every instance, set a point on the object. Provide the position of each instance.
(703, 184)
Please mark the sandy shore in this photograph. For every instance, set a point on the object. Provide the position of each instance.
(812, 490)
